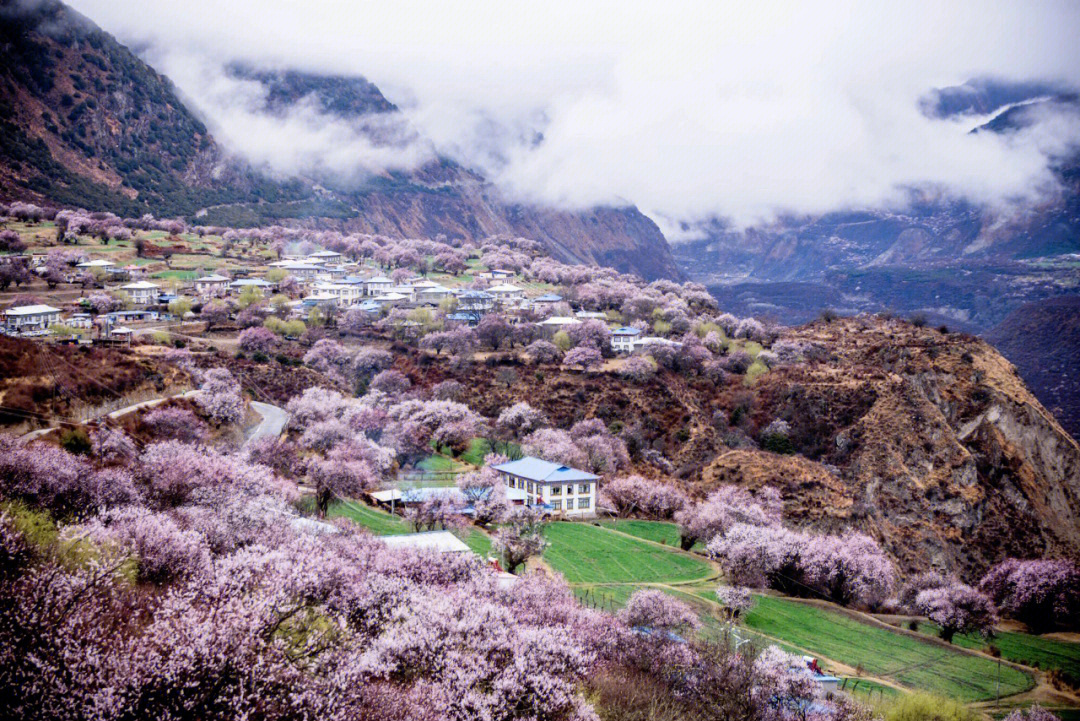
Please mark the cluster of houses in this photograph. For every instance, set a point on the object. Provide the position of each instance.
(328, 280)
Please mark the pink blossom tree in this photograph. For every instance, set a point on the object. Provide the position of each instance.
(176, 424)
(520, 537)
(257, 340)
(958, 608)
(1044, 594)
(542, 352)
(584, 357)
(219, 397)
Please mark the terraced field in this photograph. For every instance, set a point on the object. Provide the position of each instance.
(584, 553)
(880, 652)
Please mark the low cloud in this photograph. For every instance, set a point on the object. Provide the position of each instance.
(690, 111)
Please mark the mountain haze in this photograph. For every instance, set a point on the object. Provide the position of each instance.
(89, 124)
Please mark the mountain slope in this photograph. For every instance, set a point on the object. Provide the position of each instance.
(1043, 341)
(84, 122)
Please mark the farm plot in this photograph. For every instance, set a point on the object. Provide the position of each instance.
(880, 652)
(584, 553)
(1045, 653)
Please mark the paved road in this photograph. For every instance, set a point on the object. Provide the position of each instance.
(272, 423)
(27, 437)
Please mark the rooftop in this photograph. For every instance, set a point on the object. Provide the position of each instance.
(548, 298)
(504, 288)
(560, 320)
(141, 285)
(537, 469)
(31, 310)
(441, 541)
(626, 330)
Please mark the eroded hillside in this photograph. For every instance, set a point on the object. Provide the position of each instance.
(930, 441)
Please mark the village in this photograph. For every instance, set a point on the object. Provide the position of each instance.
(418, 420)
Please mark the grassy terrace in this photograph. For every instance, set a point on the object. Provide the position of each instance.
(382, 523)
(378, 522)
(881, 652)
(584, 553)
(1044, 653)
(655, 531)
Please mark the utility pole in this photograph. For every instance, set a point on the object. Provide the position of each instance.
(997, 686)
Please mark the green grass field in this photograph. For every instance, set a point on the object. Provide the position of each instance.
(656, 531)
(1044, 653)
(584, 553)
(478, 541)
(438, 463)
(881, 652)
(378, 522)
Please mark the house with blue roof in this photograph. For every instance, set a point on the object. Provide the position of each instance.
(622, 339)
(561, 489)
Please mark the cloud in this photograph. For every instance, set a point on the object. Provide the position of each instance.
(689, 110)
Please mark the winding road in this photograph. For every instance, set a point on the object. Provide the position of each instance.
(272, 423)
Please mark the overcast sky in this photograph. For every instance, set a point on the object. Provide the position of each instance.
(688, 110)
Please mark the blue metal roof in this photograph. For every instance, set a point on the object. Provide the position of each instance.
(626, 330)
(537, 469)
(548, 298)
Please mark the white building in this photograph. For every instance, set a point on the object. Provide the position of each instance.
(377, 285)
(142, 292)
(506, 293)
(301, 270)
(325, 256)
(30, 317)
(560, 489)
(622, 339)
(344, 293)
(97, 263)
(212, 284)
(390, 299)
(655, 340)
(559, 322)
(239, 285)
(432, 295)
(406, 290)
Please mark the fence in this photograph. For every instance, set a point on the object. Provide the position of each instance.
(82, 412)
(598, 601)
(427, 478)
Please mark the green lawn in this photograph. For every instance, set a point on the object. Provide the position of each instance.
(378, 522)
(1045, 653)
(657, 531)
(478, 541)
(881, 652)
(438, 463)
(584, 553)
(177, 274)
(479, 447)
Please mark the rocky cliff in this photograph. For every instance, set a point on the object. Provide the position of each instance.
(928, 441)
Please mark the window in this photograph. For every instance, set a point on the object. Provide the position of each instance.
(557, 505)
(556, 490)
(570, 490)
(583, 488)
(531, 487)
(583, 502)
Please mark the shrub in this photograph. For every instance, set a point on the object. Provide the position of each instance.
(925, 707)
(76, 441)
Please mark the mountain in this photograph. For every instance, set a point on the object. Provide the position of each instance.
(928, 441)
(1043, 340)
(84, 122)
